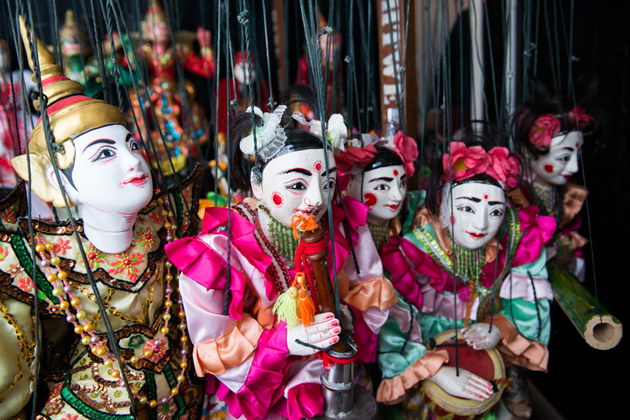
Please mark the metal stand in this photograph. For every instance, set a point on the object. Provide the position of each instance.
(342, 398)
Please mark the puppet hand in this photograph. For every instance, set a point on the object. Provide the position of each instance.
(322, 333)
(466, 385)
(479, 338)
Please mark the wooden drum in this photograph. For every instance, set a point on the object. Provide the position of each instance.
(486, 364)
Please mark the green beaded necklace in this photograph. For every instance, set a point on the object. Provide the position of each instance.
(380, 234)
(282, 238)
(468, 262)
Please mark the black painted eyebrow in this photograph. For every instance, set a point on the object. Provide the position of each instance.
(474, 199)
(330, 171)
(568, 148)
(99, 141)
(494, 203)
(383, 178)
(298, 170)
(403, 177)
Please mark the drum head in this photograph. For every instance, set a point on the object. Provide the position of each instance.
(487, 364)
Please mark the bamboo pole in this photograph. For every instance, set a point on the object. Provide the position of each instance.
(579, 305)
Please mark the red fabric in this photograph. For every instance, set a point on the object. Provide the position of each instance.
(200, 65)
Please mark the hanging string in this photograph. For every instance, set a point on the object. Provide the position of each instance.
(403, 68)
(425, 83)
(315, 55)
(49, 142)
(75, 9)
(557, 55)
(586, 200)
(536, 35)
(551, 54)
(480, 63)
(228, 274)
(272, 103)
(99, 52)
(447, 139)
(401, 115)
(161, 181)
(494, 79)
(29, 203)
(243, 19)
(216, 107)
(119, 16)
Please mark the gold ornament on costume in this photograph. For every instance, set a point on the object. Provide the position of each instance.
(70, 113)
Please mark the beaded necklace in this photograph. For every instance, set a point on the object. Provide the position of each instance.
(282, 238)
(70, 304)
(380, 234)
(468, 262)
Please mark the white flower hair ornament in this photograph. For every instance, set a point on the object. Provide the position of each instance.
(336, 130)
(270, 137)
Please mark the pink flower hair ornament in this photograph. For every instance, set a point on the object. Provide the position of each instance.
(466, 162)
(407, 148)
(578, 118)
(542, 131)
(352, 156)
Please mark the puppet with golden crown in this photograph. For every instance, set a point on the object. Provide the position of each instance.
(123, 230)
(180, 119)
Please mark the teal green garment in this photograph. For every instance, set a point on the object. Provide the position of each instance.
(537, 268)
(415, 199)
(390, 345)
(522, 314)
(432, 325)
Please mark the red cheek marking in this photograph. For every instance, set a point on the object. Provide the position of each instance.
(317, 166)
(395, 172)
(277, 199)
(549, 168)
(370, 199)
(453, 219)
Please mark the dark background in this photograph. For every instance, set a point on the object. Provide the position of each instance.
(582, 382)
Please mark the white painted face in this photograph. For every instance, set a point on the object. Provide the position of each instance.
(241, 73)
(296, 183)
(109, 173)
(478, 213)
(384, 190)
(557, 166)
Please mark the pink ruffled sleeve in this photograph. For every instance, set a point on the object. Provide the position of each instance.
(536, 231)
(404, 261)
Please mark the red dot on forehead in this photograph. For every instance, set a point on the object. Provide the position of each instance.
(395, 172)
(485, 196)
(577, 145)
(317, 166)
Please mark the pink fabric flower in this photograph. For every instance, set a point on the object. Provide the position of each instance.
(503, 167)
(407, 148)
(354, 156)
(464, 161)
(544, 128)
(579, 118)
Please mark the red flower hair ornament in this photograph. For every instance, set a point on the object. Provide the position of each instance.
(466, 162)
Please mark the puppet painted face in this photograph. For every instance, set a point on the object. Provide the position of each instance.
(478, 210)
(384, 190)
(557, 166)
(296, 183)
(109, 173)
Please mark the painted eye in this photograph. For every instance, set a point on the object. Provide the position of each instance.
(105, 153)
(382, 187)
(563, 159)
(497, 213)
(403, 184)
(466, 209)
(133, 146)
(298, 186)
(330, 185)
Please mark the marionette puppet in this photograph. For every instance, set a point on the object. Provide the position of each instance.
(76, 53)
(550, 139)
(180, 118)
(500, 297)
(123, 230)
(258, 366)
(378, 173)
